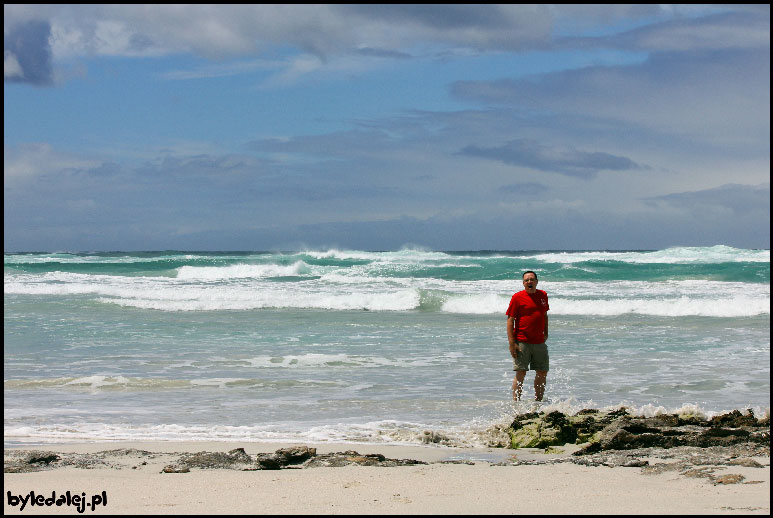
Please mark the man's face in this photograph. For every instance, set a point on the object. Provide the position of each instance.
(530, 283)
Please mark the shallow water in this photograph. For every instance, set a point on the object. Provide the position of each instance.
(405, 347)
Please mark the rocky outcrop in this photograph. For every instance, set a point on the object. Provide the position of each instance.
(28, 461)
(352, 458)
(541, 430)
(618, 430)
(234, 459)
(24, 461)
(284, 458)
(694, 446)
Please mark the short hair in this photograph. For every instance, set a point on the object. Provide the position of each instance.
(529, 271)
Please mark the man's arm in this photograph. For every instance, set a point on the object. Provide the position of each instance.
(546, 327)
(511, 336)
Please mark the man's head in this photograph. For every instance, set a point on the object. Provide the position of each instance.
(530, 281)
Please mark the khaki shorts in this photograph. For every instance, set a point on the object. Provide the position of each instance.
(534, 356)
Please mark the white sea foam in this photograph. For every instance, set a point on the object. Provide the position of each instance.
(213, 299)
(237, 271)
(97, 382)
(66, 258)
(479, 433)
(476, 304)
(101, 383)
(738, 306)
(242, 287)
(407, 255)
(678, 255)
(346, 361)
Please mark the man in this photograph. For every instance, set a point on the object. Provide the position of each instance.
(527, 331)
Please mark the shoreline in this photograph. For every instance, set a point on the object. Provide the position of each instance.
(448, 481)
(425, 453)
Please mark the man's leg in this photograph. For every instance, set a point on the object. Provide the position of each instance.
(540, 380)
(518, 384)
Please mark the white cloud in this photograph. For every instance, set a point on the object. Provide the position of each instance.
(325, 33)
(39, 158)
(224, 69)
(218, 31)
(713, 33)
(722, 97)
(297, 67)
(11, 67)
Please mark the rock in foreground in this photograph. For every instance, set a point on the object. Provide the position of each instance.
(618, 430)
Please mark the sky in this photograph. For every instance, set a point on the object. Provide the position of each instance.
(381, 127)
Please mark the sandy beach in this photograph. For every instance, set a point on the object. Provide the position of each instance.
(454, 481)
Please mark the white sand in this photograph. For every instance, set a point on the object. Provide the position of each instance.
(563, 488)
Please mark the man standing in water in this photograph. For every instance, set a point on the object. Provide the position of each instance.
(527, 331)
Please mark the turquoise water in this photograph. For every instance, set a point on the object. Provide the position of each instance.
(341, 345)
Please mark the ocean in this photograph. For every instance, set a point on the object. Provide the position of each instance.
(404, 347)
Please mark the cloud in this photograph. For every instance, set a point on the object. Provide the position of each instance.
(566, 161)
(382, 53)
(555, 226)
(27, 53)
(740, 199)
(742, 28)
(481, 27)
(11, 67)
(375, 31)
(234, 201)
(217, 32)
(668, 93)
(325, 30)
(524, 189)
(31, 160)
(223, 69)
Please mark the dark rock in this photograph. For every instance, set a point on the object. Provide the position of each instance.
(521, 419)
(44, 458)
(670, 431)
(234, 459)
(626, 434)
(24, 461)
(542, 430)
(749, 463)
(126, 452)
(175, 469)
(269, 461)
(296, 454)
(620, 412)
(353, 458)
(284, 457)
(734, 419)
(619, 430)
(636, 463)
(566, 432)
(729, 479)
(726, 432)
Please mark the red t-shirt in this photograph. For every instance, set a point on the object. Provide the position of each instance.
(529, 313)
